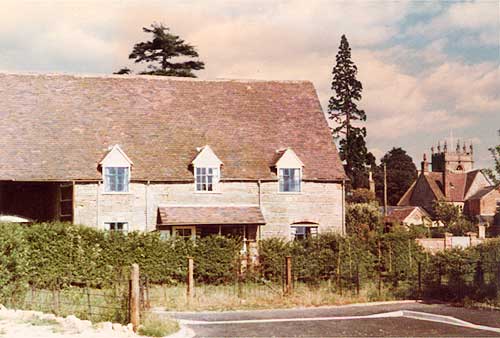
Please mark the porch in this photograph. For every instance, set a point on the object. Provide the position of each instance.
(200, 221)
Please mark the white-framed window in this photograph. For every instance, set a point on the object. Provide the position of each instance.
(303, 232)
(116, 226)
(290, 179)
(206, 178)
(186, 232)
(116, 179)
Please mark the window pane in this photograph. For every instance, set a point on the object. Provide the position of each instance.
(116, 179)
(289, 180)
(206, 178)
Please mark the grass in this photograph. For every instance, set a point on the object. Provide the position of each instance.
(256, 296)
(154, 326)
(100, 305)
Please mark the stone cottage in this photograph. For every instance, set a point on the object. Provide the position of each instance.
(185, 157)
(453, 179)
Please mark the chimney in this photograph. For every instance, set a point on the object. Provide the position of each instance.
(371, 181)
(446, 184)
(424, 165)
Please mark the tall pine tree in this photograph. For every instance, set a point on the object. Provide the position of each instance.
(343, 110)
(159, 52)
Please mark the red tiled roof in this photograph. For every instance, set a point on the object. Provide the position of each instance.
(482, 192)
(456, 186)
(435, 181)
(399, 213)
(58, 127)
(471, 176)
(210, 215)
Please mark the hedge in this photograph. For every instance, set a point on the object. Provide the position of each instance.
(55, 255)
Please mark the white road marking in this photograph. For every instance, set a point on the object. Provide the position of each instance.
(402, 313)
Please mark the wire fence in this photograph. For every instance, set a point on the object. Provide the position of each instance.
(451, 278)
(85, 302)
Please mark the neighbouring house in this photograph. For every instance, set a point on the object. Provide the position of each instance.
(185, 157)
(453, 179)
(408, 215)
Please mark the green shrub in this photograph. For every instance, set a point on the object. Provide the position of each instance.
(363, 220)
(154, 326)
(14, 262)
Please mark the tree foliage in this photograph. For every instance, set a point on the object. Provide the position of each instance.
(453, 219)
(494, 174)
(123, 71)
(363, 220)
(344, 111)
(160, 51)
(401, 173)
(361, 195)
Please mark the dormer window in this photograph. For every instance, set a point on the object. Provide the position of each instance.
(206, 179)
(206, 167)
(116, 179)
(116, 171)
(290, 179)
(289, 169)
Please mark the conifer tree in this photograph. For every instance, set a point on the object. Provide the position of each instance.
(159, 52)
(344, 111)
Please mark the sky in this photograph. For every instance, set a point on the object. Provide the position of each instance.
(430, 69)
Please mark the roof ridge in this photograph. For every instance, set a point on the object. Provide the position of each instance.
(147, 77)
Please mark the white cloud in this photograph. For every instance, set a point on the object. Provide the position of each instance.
(408, 93)
(468, 18)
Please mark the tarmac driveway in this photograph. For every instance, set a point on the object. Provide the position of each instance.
(407, 319)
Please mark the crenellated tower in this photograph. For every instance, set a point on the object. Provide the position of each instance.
(459, 159)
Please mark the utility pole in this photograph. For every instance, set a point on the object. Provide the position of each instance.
(385, 189)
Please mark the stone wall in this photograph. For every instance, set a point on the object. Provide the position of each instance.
(320, 203)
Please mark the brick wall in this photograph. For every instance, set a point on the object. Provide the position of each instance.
(318, 202)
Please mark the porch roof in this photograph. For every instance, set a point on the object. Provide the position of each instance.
(209, 215)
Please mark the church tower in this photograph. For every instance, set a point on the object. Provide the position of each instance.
(459, 159)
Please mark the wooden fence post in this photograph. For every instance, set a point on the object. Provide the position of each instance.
(89, 306)
(190, 279)
(357, 278)
(379, 269)
(419, 279)
(288, 277)
(134, 297)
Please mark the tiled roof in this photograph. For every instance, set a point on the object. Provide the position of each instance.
(435, 181)
(471, 176)
(58, 127)
(200, 215)
(481, 193)
(458, 184)
(399, 213)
